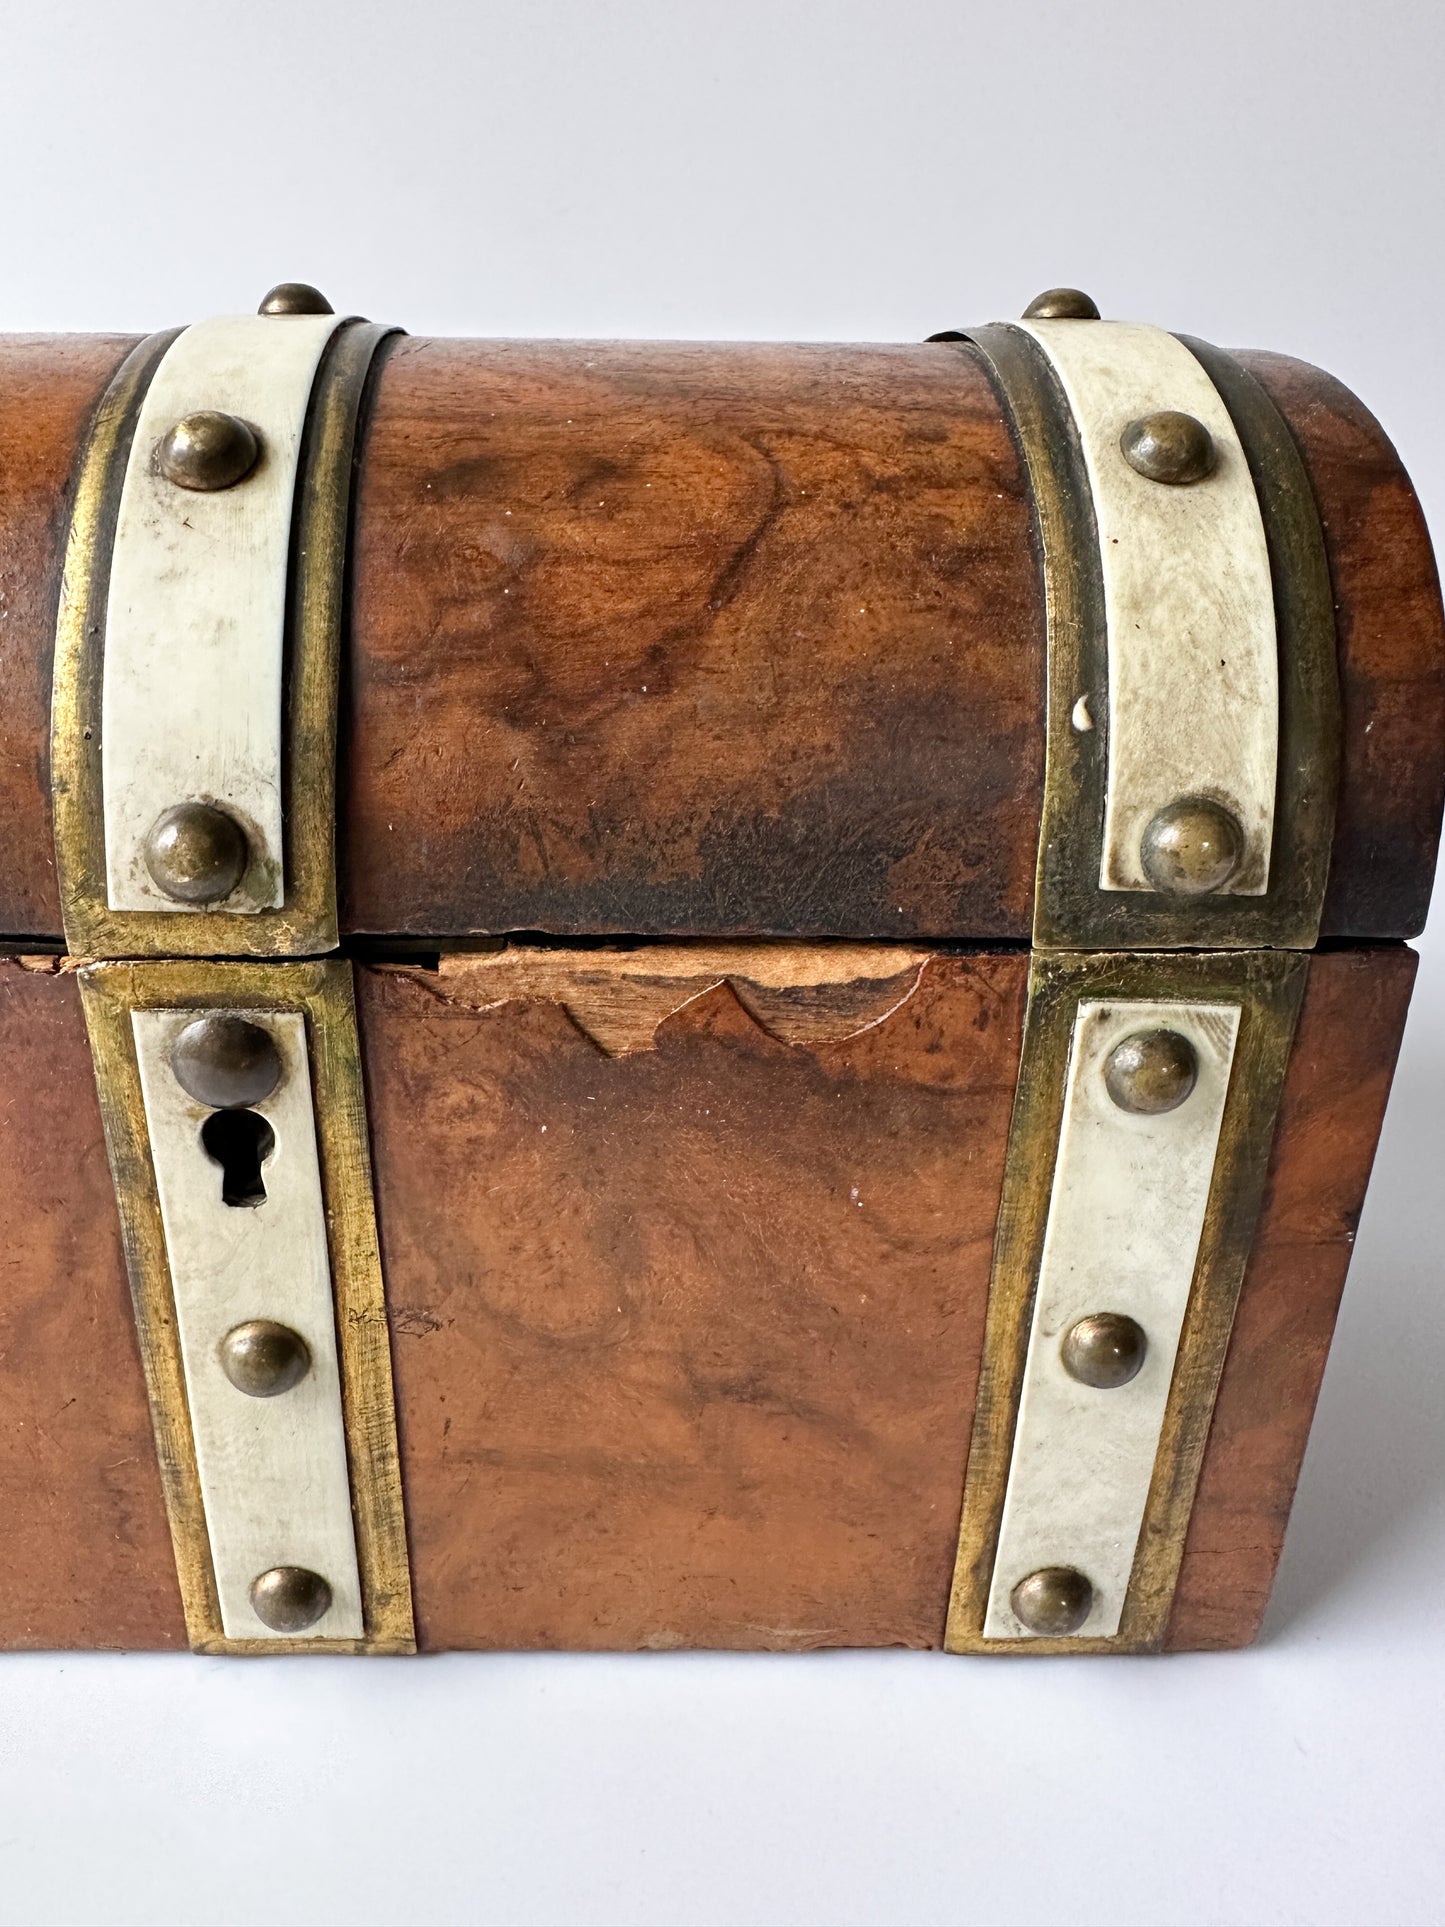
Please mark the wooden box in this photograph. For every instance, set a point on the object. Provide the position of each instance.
(705, 1053)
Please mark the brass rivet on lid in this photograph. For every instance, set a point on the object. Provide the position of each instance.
(1169, 446)
(1191, 847)
(1151, 1071)
(288, 1599)
(1104, 1350)
(1053, 1602)
(226, 1061)
(1061, 304)
(196, 853)
(207, 450)
(295, 297)
(264, 1359)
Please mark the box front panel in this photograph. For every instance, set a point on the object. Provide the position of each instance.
(686, 1322)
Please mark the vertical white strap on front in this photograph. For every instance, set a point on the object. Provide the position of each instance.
(273, 1471)
(1193, 701)
(1125, 1218)
(196, 613)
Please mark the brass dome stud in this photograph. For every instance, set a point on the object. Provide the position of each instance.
(288, 1599)
(208, 450)
(1191, 848)
(1053, 1602)
(196, 853)
(295, 297)
(1168, 446)
(264, 1359)
(1061, 304)
(1104, 1351)
(226, 1061)
(1151, 1071)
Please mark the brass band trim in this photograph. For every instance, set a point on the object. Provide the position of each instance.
(1268, 986)
(1070, 910)
(306, 923)
(322, 991)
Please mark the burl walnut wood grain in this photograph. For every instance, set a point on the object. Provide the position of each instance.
(1391, 655)
(686, 1339)
(1329, 1122)
(49, 386)
(688, 639)
(87, 1553)
(800, 994)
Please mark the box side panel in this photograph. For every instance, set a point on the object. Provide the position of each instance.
(686, 1336)
(1329, 1123)
(87, 1551)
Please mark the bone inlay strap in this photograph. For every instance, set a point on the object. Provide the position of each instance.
(1193, 698)
(196, 611)
(1125, 1217)
(273, 1469)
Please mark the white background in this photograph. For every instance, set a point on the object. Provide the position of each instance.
(1260, 174)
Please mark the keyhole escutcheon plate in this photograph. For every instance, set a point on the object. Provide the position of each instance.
(273, 1474)
(249, 1212)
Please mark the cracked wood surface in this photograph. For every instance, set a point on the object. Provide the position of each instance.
(799, 994)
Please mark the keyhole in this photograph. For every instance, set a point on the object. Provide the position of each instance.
(240, 1142)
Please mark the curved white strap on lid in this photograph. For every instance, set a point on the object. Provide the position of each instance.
(1193, 700)
(196, 612)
